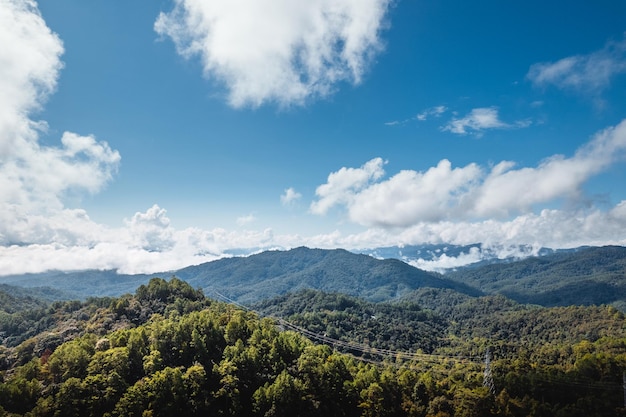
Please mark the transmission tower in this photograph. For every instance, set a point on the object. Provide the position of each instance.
(487, 376)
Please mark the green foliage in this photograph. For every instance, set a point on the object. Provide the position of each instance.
(194, 357)
(14, 299)
(402, 326)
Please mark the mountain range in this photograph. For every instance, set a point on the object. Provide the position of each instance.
(586, 276)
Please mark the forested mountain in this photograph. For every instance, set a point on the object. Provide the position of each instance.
(444, 321)
(264, 275)
(13, 299)
(589, 276)
(273, 273)
(167, 350)
(82, 284)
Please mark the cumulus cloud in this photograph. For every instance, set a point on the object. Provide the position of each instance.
(505, 190)
(151, 230)
(480, 119)
(411, 196)
(29, 66)
(344, 185)
(444, 193)
(590, 73)
(290, 196)
(277, 51)
(35, 179)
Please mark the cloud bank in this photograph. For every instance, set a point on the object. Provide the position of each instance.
(35, 179)
(443, 193)
(277, 51)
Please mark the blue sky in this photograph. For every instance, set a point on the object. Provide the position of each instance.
(145, 136)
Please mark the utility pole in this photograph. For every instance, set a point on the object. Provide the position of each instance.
(624, 379)
(488, 377)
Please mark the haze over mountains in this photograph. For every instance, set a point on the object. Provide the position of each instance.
(583, 277)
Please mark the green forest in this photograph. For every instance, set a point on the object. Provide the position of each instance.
(169, 350)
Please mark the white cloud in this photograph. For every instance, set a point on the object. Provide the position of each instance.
(590, 73)
(39, 232)
(411, 196)
(480, 119)
(149, 243)
(29, 66)
(444, 193)
(277, 51)
(244, 220)
(436, 111)
(444, 262)
(343, 185)
(151, 230)
(290, 196)
(35, 179)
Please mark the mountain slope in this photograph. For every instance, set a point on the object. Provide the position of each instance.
(83, 284)
(590, 276)
(170, 351)
(264, 275)
(277, 272)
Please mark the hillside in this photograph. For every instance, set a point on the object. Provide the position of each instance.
(263, 275)
(168, 351)
(82, 284)
(590, 276)
(273, 273)
(14, 299)
(444, 321)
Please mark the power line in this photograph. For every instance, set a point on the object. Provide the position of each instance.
(353, 346)
(422, 357)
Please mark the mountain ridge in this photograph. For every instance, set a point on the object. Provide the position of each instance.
(590, 276)
(595, 275)
(335, 270)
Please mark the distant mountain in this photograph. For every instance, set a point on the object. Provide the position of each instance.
(264, 275)
(81, 284)
(588, 276)
(40, 294)
(583, 277)
(277, 272)
(10, 302)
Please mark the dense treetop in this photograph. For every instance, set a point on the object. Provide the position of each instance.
(168, 350)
